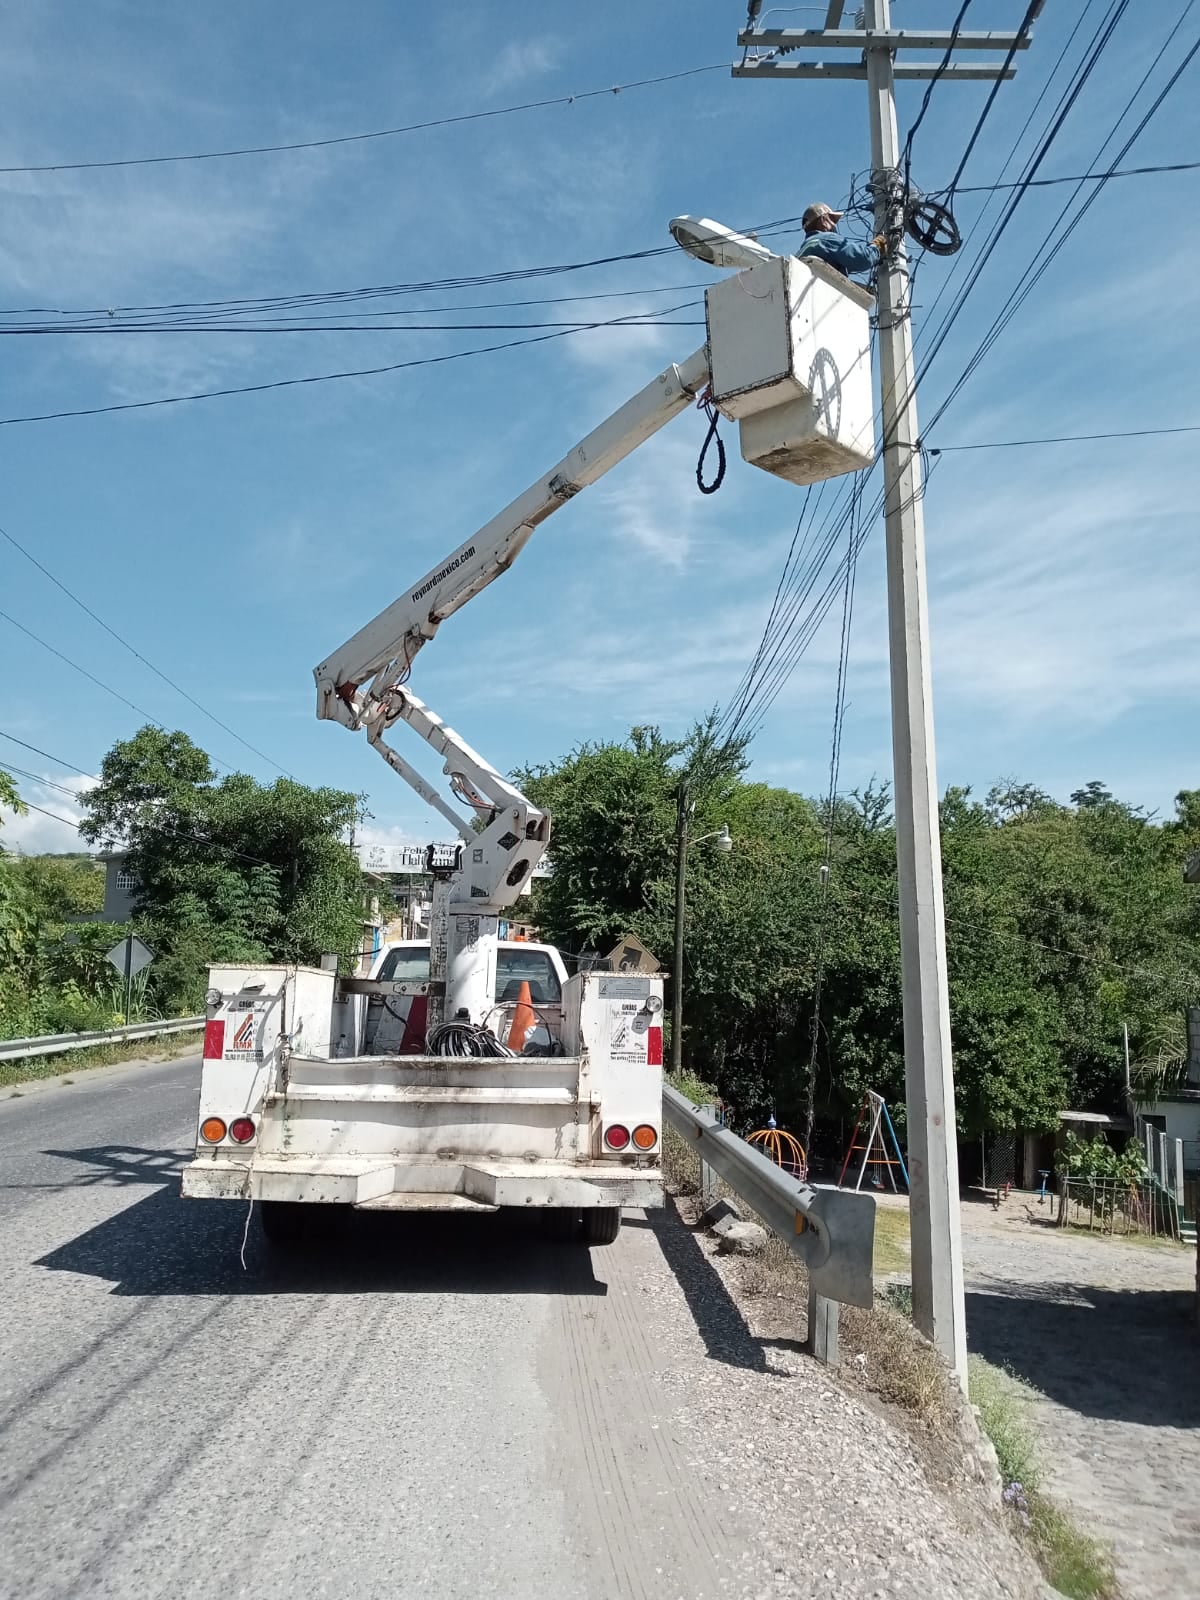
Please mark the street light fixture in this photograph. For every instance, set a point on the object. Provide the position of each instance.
(716, 244)
(722, 841)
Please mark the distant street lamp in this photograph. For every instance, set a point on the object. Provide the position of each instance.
(721, 841)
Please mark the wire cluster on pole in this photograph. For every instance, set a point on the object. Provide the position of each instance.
(802, 599)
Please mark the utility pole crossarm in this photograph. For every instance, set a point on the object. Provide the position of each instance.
(878, 39)
(911, 71)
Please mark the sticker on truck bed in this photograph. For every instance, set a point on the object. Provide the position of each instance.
(241, 1046)
(626, 1040)
(243, 1039)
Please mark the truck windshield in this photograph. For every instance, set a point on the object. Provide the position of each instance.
(405, 965)
(531, 966)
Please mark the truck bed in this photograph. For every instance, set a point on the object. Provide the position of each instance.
(429, 1132)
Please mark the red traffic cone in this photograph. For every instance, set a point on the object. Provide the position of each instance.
(523, 1019)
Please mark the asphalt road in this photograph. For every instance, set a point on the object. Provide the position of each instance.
(401, 1411)
(417, 1406)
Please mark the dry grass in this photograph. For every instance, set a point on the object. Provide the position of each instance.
(681, 1165)
(880, 1349)
(33, 1068)
(894, 1362)
(775, 1273)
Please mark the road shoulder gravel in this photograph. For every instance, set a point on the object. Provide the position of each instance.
(804, 1489)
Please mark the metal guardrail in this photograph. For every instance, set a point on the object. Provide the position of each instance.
(831, 1230)
(51, 1044)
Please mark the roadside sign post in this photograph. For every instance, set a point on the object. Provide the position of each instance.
(129, 957)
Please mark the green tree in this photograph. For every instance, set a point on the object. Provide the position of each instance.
(14, 909)
(227, 869)
(1064, 923)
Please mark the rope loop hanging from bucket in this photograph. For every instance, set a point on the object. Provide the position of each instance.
(705, 403)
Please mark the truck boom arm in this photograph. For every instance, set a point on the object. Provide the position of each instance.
(357, 679)
(363, 686)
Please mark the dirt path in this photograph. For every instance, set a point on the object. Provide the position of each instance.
(1103, 1331)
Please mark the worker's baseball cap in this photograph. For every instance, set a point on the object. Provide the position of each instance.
(815, 212)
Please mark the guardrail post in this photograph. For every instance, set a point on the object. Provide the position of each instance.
(822, 1328)
(708, 1178)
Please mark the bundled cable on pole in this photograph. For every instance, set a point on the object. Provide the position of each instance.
(835, 762)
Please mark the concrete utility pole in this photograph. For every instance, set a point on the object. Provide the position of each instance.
(938, 1308)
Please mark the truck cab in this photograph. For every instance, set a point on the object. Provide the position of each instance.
(396, 1024)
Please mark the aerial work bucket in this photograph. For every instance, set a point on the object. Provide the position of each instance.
(790, 353)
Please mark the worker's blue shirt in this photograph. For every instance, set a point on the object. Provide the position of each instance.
(847, 255)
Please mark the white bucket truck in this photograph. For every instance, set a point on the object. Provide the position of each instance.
(296, 1107)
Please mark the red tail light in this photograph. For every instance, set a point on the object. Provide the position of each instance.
(616, 1137)
(241, 1129)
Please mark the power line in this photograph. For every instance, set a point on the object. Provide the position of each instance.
(1063, 438)
(835, 760)
(58, 760)
(91, 676)
(647, 319)
(257, 304)
(1030, 18)
(377, 133)
(1043, 257)
(67, 822)
(955, 27)
(35, 777)
(794, 631)
(283, 301)
(961, 258)
(313, 378)
(137, 654)
(792, 636)
(1084, 177)
(193, 838)
(1099, 43)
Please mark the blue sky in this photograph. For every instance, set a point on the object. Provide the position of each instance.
(235, 542)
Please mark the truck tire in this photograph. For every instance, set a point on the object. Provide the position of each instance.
(560, 1224)
(283, 1222)
(601, 1224)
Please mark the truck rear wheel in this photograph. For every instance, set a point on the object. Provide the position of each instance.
(560, 1224)
(601, 1224)
(283, 1221)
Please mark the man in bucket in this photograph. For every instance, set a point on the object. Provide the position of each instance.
(822, 239)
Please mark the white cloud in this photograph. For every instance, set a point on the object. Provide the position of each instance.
(37, 832)
(521, 60)
(1058, 599)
